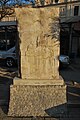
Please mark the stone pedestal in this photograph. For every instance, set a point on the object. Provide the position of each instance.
(37, 98)
(40, 87)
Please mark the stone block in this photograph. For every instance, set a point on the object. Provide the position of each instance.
(39, 42)
(40, 91)
(36, 99)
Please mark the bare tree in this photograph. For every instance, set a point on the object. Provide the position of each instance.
(5, 9)
(6, 6)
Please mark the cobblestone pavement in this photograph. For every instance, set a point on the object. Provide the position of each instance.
(71, 76)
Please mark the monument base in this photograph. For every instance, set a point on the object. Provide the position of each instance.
(36, 97)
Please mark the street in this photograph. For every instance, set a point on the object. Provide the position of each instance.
(71, 76)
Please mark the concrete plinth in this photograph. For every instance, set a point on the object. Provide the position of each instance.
(36, 98)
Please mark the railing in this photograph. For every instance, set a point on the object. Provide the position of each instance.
(9, 18)
(54, 2)
(45, 2)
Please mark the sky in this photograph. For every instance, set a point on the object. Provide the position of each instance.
(13, 2)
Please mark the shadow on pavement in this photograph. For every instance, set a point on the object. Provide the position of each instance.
(6, 79)
(57, 111)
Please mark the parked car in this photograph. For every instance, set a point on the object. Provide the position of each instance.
(64, 61)
(9, 57)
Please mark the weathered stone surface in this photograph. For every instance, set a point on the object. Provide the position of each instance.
(40, 91)
(37, 100)
(39, 42)
(18, 81)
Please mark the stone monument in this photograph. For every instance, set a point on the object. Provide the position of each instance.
(40, 86)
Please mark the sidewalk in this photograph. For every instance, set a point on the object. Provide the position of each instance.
(73, 114)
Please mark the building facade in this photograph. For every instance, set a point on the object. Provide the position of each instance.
(8, 32)
(70, 9)
(70, 28)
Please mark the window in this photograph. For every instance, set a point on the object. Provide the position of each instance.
(76, 10)
(62, 11)
(56, 1)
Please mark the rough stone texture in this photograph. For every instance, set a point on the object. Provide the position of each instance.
(39, 42)
(37, 100)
